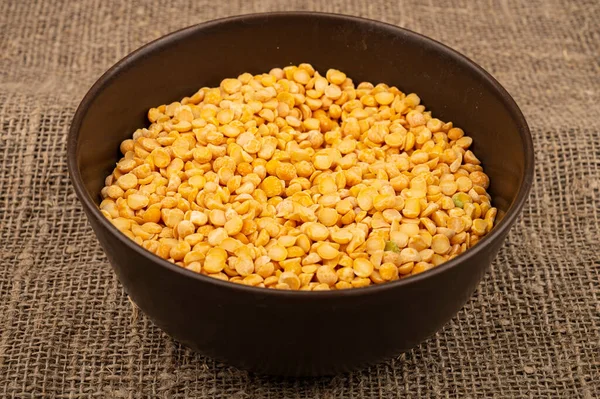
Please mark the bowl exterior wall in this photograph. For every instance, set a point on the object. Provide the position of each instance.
(292, 335)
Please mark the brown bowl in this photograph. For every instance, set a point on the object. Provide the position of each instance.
(283, 332)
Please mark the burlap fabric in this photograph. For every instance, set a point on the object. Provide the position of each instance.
(67, 330)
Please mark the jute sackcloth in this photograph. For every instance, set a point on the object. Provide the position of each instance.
(67, 329)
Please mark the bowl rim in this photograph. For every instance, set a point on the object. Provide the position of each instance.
(137, 55)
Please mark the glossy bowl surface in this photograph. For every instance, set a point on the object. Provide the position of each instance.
(299, 333)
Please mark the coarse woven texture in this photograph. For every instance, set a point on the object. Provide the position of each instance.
(67, 329)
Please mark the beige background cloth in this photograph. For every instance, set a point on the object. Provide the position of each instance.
(531, 330)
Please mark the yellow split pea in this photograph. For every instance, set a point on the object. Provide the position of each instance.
(294, 180)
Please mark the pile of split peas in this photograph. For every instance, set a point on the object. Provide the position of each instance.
(294, 180)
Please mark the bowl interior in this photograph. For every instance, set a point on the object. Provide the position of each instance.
(449, 85)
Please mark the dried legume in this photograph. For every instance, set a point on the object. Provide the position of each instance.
(295, 180)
